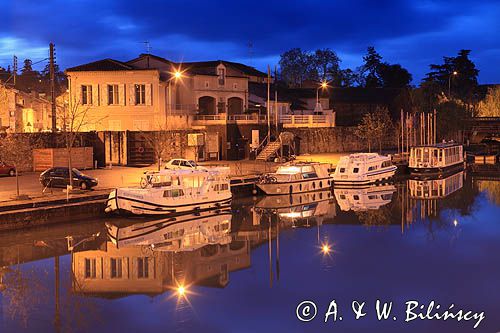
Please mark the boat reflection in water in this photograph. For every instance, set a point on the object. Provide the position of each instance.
(153, 257)
(300, 209)
(366, 198)
(181, 233)
(435, 188)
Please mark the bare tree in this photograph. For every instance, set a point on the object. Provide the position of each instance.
(160, 141)
(490, 106)
(73, 118)
(17, 150)
(374, 126)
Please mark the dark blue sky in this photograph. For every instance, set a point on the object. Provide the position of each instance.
(412, 33)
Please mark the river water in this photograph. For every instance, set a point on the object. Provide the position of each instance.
(249, 268)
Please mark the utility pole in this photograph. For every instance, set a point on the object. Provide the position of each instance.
(268, 103)
(52, 87)
(14, 73)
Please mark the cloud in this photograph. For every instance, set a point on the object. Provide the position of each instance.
(411, 33)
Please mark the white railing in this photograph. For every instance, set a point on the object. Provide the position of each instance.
(324, 120)
(210, 117)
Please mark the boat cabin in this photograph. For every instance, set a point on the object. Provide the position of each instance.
(438, 156)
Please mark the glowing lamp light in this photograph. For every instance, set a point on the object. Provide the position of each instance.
(324, 85)
(177, 74)
(455, 73)
(326, 249)
(181, 291)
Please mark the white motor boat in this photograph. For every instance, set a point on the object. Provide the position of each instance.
(363, 168)
(175, 192)
(363, 199)
(182, 233)
(296, 178)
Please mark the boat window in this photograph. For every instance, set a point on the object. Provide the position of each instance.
(342, 197)
(386, 164)
(371, 197)
(173, 193)
(386, 196)
(355, 170)
(355, 197)
(221, 187)
(176, 162)
(342, 170)
(373, 167)
(308, 175)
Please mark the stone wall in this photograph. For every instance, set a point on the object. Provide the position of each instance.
(334, 140)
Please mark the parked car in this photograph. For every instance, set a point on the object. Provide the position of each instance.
(59, 177)
(7, 170)
(183, 164)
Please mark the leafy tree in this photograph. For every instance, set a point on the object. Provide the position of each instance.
(462, 84)
(370, 68)
(490, 106)
(28, 66)
(450, 116)
(326, 63)
(393, 76)
(347, 78)
(296, 67)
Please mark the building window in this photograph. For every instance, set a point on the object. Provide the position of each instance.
(140, 94)
(143, 268)
(113, 94)
(89, 268)
(221, 72)
(116, 268)
(235, 85)
(207, 84)
(86, 95)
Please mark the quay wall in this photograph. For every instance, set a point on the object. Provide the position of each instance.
(335, 140)
(29, 217)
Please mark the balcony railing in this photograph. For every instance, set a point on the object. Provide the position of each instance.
(324, 120)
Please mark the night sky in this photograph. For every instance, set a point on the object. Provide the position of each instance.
(412, 33)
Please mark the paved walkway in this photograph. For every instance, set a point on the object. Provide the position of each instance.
(118, 176)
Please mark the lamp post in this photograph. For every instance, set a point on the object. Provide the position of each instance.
(449, 83)
(176, 75)
(323, 85)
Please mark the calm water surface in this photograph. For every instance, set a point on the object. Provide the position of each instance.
(246, 270)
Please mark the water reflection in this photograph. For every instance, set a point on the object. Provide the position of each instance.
(119, 258)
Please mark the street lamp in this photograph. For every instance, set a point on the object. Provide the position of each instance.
(323, 85)
(449, 83)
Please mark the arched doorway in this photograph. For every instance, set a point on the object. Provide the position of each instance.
(206, 105)
(234, 106)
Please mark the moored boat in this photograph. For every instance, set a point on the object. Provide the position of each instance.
(436, 188)
(436, 158)
(296, 178)
(175, 192)
(362, 169)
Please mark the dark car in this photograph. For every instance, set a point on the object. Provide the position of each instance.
(7, 170)
(59, 177)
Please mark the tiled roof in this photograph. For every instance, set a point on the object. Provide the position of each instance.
(209, 67)
(102, 65)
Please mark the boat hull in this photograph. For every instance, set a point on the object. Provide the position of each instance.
(120, 202)
(370, 178)
(431, 171)
(309, 185)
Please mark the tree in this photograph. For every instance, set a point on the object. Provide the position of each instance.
(28, 66)
(370, 68)
(450, 116)
(490, 106)
(393, 76)
(296, 66)
(17, 150)
(160, 141)
(374, 126)
(73, 118)
(326, 63)
(462, 84)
